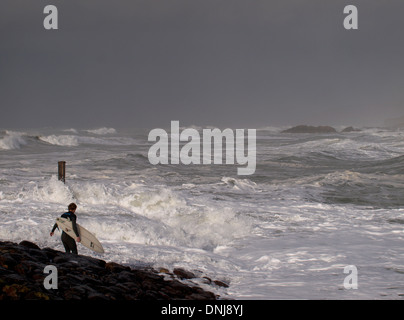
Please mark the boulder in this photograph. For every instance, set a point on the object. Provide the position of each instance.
(310, 129)
(350, 129)
(29, 244)
(183, 274)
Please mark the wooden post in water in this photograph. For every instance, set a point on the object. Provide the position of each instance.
(62, 170)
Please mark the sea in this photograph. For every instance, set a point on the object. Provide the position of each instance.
(322, 217)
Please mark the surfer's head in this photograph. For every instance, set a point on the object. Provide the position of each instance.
(72, 207)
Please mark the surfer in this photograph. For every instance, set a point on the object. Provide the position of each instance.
(68, 241)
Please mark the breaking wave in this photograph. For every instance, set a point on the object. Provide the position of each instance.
(102, 131)
(12, 140)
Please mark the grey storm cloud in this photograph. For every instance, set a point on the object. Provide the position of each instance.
(230, 62)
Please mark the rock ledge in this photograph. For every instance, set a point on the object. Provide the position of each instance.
(84, 278)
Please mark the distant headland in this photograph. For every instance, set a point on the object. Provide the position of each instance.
(319, 129)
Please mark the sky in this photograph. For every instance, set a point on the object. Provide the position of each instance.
(235, 63)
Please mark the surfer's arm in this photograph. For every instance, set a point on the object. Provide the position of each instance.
(54, 228)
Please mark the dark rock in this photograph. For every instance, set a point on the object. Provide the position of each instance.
(7, 261)
(81, 277)
(4, 271)
(76, 279)
(180, 287)
(220, 283)
(164, 270)
(21, 269)
(29, 244)
(350, 129)
(12, 278)
(207, 280)
(125, 276)
(115, 267)
(61, 259)
(110, 280)
(202, 296)
(310, 129)
(50, 253)
(183, 274)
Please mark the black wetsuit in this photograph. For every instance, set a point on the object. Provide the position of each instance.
(68, 242)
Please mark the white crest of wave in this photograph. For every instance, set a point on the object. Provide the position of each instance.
(74, 141)
(102, 131)
(52, 191)
(240, 184)
(140, 214)
(157, 217)
(12, 140)
(72, 130)
(62, 140)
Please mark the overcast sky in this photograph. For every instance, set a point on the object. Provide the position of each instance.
(237, 63)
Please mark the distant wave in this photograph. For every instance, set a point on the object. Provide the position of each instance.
(102, 131)
(72, 130)
(62, 140)
(76, 140)
(12, 140)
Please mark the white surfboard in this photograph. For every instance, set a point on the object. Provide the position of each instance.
(87, 238)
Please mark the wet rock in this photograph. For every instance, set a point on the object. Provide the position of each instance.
(50, 253)
(183, 274)
(350, 129)
(164, 270)
(115, 267)
(81, 277)
(7, 261)
(220, 283)
(29, 244)
(206, 280)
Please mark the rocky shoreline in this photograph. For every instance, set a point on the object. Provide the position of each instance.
(319, 129)
(22, 277)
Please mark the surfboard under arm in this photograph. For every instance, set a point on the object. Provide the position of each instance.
(87, 238)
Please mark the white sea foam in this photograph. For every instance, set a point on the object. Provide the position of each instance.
(244, 185)
(61, 140)
(158, 218)
(72, 130)
(76, 140)
(102, 131)
(12, 140)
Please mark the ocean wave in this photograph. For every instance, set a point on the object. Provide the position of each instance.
(72, 130)
(390, 166)
(102, 131)
(51, 191)
(61, 140)
(339, 148)
(140, 214)
(12, 140)
(76, 140)
(240, 184)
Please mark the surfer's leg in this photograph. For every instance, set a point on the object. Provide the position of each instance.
(74, 247)
(69, 243)
(65, 241)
